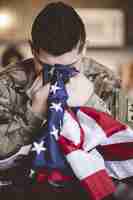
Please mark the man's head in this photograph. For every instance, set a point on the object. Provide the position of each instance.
(58, 34)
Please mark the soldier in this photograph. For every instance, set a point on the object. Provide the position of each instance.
(58, 37)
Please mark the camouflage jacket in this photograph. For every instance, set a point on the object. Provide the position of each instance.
(107, 87)
(18, 124)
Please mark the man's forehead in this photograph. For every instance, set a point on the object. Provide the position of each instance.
(66, 58)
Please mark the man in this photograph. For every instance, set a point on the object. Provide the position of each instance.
(58, 37)
(23, 96)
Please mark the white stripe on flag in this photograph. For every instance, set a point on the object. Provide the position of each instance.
(120, 137)
(94, 134)
(120, 169)
(70, 129)
(85, 164)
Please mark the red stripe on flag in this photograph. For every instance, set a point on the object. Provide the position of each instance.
(121, 151)
(57, 176)
(98, 185)
(68, 146)
(104, 120)
(42, 176)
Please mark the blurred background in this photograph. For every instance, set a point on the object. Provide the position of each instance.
(108, 23)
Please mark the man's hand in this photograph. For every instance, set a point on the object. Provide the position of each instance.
(40, 96)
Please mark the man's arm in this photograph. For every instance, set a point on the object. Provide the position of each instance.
(105, 80)
(18, 123)
(96, 102)
(106, 86)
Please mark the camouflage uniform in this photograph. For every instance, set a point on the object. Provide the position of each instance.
(19, 125)
(18, 122)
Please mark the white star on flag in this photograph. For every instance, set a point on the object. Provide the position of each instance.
(56, 106)
(54, 88)
(54, 132)
(31, 173)
(38, 147)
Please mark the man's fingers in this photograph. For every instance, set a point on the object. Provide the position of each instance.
(37, 84)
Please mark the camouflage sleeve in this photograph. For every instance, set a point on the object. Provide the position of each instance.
(18, 124)
(104, 79)
(96, 102)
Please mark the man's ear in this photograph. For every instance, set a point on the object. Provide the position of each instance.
(31, 47)
(84, 50)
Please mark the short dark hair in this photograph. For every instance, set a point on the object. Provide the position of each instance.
(58, 29)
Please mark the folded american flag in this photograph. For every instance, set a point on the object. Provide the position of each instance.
(80, 143)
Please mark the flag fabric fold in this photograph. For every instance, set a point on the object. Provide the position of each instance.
(77, 144)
